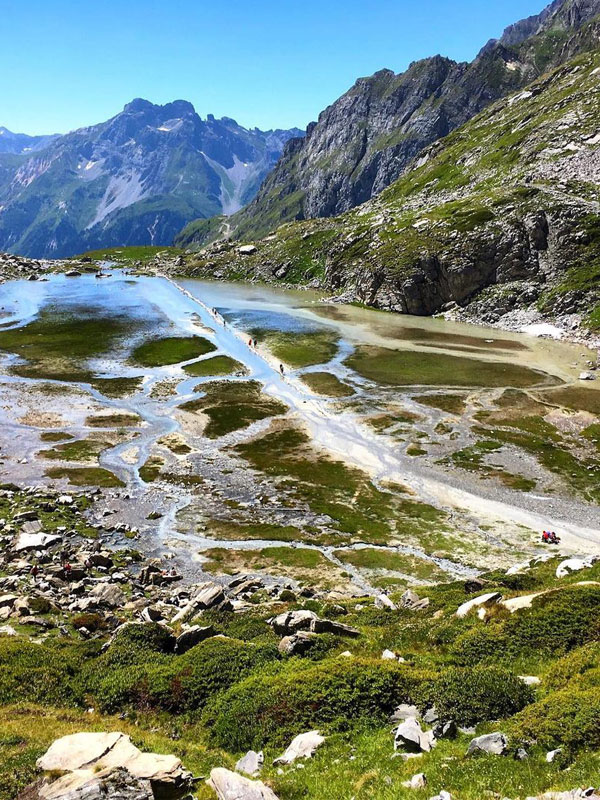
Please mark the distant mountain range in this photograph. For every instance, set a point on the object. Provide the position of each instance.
(19, 143)
(136, 179)
(370, 136)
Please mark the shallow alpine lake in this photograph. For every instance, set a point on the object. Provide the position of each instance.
(242, 427)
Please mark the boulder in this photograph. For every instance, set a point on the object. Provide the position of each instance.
(297, 643)
(411, 600)
(494, 743)
(292, 621)
(246, 249)
(35, 541)
(483, 601)
(118, 784)
(231, 786)
(303, 746)
(330, 626)
(92, 753)
(251, 763)
(193, 636)
(107, 594)
(383, 601)
(418, 781)
(208, 595)
(8, 600)
(574, 565)
(410, 736)
(404, 711)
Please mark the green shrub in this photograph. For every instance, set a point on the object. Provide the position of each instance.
(569, 718)
(92, 622)
(556, 623)
(336, 694)
(287, 596)
(581, 666)
(139, 642)
(469, 696)
(178, 684)
(36, 673)
(480, 643)
(246, 627)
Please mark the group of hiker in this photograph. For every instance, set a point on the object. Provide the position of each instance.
(549, 537)
(252, 343)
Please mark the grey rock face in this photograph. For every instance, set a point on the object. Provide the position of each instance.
(193, 636)
(292, 621)
(410, 736)
(116, 784)
(368, 137)
(297, 644)
(82, 759)
(251, 763)
(303, 746)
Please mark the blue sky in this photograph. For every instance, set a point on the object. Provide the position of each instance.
(68, 63)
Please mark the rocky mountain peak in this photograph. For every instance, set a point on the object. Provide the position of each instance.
(368, 137)
(134, 179)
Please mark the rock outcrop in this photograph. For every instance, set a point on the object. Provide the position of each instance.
(96, 764)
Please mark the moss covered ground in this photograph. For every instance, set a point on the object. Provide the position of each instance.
(217, 365)
(233, 405)
(413, 368)
(171, 350)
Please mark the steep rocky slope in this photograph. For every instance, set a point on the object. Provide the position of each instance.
(508, 204)
(136, 179)
(367, 138)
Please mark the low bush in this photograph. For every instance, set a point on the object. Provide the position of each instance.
(178, 684)
(333, 694)
(469, 696)
(581, 666)
(90, 621)
(36, 673)
(556, 623)
(569, 718)
(138, 643)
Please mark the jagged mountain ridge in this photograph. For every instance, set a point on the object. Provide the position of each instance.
(501, 215)
(135, 179)
(18, 143)
(369, 137)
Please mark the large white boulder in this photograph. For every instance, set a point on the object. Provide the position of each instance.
(96, 752)
(482, 601)
(303, 746)
(231, 786)
(494, 743)
(87, 785)
(35, 541)
(574, 565)
(251, 763)
(410, 736)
